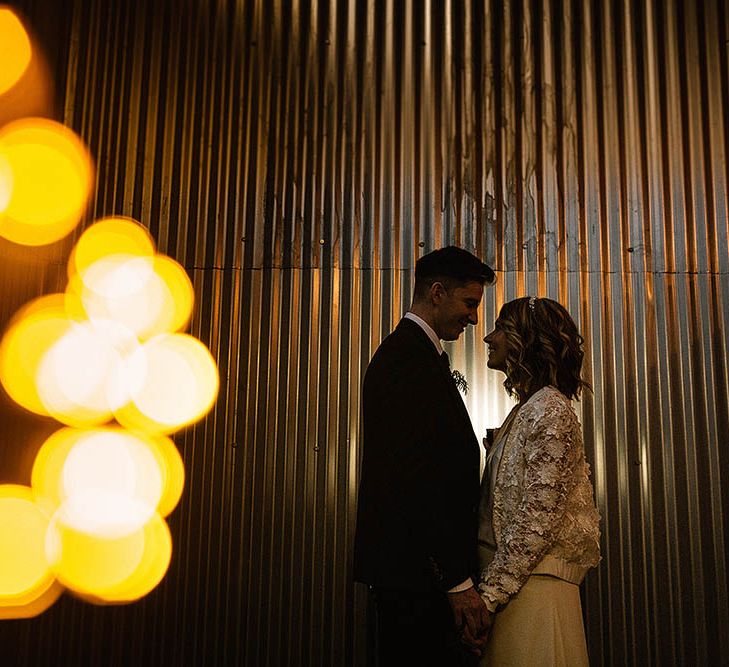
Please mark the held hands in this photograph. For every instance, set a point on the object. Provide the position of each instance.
(472, 618)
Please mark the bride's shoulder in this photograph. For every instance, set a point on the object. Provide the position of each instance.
(549, 402)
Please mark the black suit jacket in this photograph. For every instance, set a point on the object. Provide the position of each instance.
(419, 488)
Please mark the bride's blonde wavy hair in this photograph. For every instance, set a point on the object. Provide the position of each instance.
(544, 348)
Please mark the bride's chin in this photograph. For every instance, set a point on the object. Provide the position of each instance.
(495, 367)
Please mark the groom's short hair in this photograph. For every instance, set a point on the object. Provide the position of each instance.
(452, 266)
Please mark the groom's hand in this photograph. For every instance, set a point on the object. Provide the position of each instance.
(471, 617)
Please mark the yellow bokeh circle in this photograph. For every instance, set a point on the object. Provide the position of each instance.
(146, 295)
(109, 237)
(107, 481)
(149, 571)
(89, 564)
(25, 574)
(33, 607)
(74, 375)
(52, 174)
(172, 381)
(30, 334)
(15, 49)
(6, 182)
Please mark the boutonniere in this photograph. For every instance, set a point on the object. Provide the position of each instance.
(460, 381)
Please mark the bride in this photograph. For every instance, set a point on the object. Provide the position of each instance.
(538, 525)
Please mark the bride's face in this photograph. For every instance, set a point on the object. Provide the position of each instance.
(498, 348)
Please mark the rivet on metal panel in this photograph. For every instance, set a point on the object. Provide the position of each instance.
(421, 244)
(631, 249)
(524, 245)
(243, 239)
(316, 448)
(321, 241)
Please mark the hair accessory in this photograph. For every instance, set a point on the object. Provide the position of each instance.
(532, 301)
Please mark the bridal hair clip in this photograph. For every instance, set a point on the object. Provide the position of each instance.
(532, 301)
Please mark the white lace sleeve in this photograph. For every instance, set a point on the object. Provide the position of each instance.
(550, 451)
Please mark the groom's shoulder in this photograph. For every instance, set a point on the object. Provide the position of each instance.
(402, 337)
(399, 348)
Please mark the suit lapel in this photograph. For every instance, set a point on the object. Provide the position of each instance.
(421, 339)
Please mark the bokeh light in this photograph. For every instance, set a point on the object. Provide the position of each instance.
(172, 381)
(25, 574)
(78, 378)
(89, 564)
(108, 237)
(15, 49)
(148, 296)
(72, 377)
(34, 607)
(92, 520)
(172, 468)
(52, 174)
(149, 570)
(6, 182)
(26, 86)
(47, 474)
(109, 481)
(108, 347)
(30, 334)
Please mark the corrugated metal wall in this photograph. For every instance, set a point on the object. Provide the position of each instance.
(298, 157)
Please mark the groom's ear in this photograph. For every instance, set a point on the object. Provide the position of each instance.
(437, 293)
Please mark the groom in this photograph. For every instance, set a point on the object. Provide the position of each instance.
(415, 544)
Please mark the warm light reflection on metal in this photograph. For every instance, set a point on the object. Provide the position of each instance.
(15, 49)
(52, 174)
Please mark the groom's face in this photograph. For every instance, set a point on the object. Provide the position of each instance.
(457, 307)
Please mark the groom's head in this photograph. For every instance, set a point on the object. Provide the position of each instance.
(448, 289)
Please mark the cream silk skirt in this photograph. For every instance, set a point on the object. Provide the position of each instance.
(540, 626)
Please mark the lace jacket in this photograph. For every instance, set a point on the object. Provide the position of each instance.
(544, 516)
